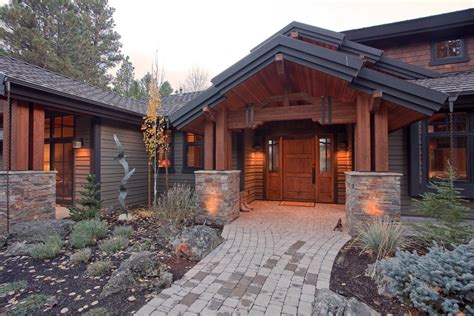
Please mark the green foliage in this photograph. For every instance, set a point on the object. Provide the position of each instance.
(99, 268)
(72, 37)
(29, 305)
(87, 232)
(178, 204)
(124, 78)
(166, 89)
(49, 248)
(125, 231)
(99, 311)
(444, 203)
(381, 237)
(441, 282)
(12, 286)
(82, 255)
(114, 244)
(90, 204)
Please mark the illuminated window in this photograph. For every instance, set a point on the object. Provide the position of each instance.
(194, 153)
(273, 155)
(449, 51)
(439, 145)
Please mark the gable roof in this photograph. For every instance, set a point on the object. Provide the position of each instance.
(342, 63)
(459, 83)
(432, 23)
(32, 76)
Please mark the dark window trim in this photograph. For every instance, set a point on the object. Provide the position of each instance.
(449, 60)
(415, 187)
(171, 169)
(186, 168)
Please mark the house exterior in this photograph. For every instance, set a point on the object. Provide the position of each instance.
(358, 118)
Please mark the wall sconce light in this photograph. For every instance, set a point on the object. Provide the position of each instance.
(257, 144)
(77, 143)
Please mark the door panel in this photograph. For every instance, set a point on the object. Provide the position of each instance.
(298, 163)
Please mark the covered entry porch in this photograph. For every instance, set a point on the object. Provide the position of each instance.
(301, 118)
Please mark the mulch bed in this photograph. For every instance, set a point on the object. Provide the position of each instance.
(72, 288)
(348, 279)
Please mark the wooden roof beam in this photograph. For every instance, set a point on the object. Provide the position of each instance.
(294, 35)
(282, 73)
(209, 113)
(375, 101)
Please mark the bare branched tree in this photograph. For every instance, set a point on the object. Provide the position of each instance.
(197, 79)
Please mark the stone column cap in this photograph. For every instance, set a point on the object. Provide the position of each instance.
(373, 174)
(217, 171)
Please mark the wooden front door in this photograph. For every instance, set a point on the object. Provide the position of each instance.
(299, 169)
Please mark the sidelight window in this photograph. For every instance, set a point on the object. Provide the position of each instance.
(272, 155)
(194, 151)
(325, 154)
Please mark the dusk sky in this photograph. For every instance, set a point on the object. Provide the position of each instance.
(215, 34)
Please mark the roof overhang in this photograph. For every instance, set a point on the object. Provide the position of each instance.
(332, 62)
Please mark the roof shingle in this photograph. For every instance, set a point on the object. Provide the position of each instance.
(451, 83)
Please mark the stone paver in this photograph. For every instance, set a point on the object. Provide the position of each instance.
(272, 262)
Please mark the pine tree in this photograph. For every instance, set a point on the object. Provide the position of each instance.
(166, 89)
(73, 37)
(443, 202)
(125, 77)
(90, 205)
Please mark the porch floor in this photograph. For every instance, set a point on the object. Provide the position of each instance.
(273, 260)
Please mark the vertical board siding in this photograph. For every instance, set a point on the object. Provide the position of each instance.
(253, 168)
(398, 162)
(111, 172)
(82, 168)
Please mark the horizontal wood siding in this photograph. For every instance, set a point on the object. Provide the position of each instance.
(82, 156)
(111, 172)
(253, 168)
(343, 164)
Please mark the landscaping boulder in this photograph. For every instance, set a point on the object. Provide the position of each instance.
(140, 265)
(18, 249)
(198, 240)
(37, 231)
(165, 234)
(329, 303)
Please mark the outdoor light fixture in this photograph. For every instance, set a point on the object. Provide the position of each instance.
(257, 145)
(77, 143)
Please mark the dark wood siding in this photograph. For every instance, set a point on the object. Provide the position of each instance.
(82, 156)
(111, 171)
(398, 162)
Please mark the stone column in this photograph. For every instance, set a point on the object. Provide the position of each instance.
(370, 195)
(32, 197)
(218, 196)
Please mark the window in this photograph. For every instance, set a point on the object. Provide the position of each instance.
(324, 155)
(449, 51)
(439, 149)
(58, 153)
(162, 161)
(194, 154)
(272, 155)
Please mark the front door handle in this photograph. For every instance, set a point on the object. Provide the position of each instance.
(313, 175)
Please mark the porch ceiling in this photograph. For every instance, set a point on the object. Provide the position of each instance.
(304, 72)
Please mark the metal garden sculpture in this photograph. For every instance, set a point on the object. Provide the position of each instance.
(127, 173)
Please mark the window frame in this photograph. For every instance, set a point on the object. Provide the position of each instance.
(418, 157)
(464, 57)
(186, 168)
(171, 168)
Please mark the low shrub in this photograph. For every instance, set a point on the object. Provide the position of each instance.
(99, 311)
(440, 282)
(381, 238)
(49, 248)
(86, 233)
(123, 231)
(29, 305)
(115, 243)
(82, 255)
(99, 268)
(12, 286)
(178, 204)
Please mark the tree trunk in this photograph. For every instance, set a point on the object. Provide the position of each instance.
(149, 185)
(155, 181)
(166, 170)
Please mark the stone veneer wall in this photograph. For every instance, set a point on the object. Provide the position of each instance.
(370, 195)
(32, 196)
(218, 196)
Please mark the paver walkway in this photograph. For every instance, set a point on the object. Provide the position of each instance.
(273, 260)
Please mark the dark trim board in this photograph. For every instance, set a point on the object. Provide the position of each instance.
(96, 146)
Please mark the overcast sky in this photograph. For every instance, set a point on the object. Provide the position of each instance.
(214, 34)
